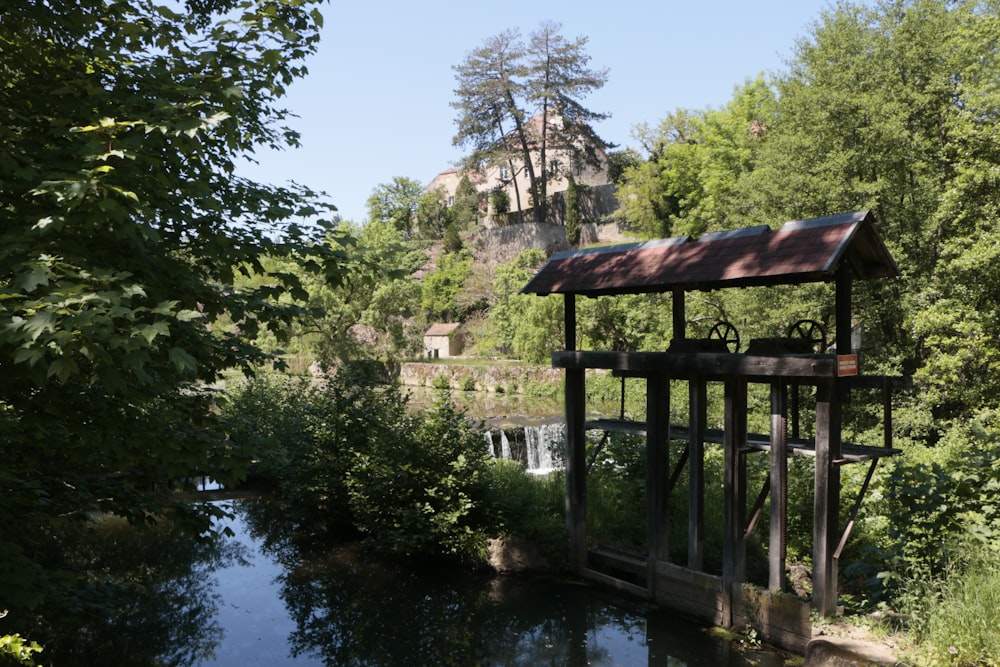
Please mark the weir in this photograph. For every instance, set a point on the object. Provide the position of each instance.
(837, 249)
(538, 446)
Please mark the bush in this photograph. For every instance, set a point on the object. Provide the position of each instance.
(348, 453)
(411, 489)
(306, 436)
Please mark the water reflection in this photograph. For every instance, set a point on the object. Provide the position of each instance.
(149, 597)
(270, 595)
(348, 608)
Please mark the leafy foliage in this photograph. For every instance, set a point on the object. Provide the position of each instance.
(124, 225)
(348, 453)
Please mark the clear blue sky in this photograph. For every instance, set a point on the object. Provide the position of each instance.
(376, 102)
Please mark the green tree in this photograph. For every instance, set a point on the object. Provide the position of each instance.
(504, 83)
(432, 215)
(467, 204)
(452, 241)
(370, 313)
(396, 202)
(558, 79)
(442, 286)
(123, 223)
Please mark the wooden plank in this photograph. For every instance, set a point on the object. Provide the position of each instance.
(850, 453)
(677, 313)
(615, 583)
(569, 320)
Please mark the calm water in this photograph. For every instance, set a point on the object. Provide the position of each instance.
(276, 604)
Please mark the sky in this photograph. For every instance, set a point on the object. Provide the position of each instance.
(376, 103)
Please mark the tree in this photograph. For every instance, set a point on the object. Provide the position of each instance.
(467, 204)
(396, 202)
(367, 315)
(123, 223)
(489, 87)
(442, 286)
(558, 80)
(504, 84)
(432, 215)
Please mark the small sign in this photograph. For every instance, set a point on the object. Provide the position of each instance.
(847, 364)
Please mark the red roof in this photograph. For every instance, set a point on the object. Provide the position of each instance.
(800, 251)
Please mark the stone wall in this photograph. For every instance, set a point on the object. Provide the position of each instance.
(507, 379)
(502, 244)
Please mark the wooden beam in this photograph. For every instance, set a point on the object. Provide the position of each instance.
(779, 489)
(734, 496)
(697, 423)
(826, 503)
(657, 472)
(711, 365)
(576, 468)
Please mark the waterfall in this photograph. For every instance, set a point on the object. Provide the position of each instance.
(537, 446)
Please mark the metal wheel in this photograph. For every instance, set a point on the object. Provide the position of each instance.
(809, 330)
(726, 332)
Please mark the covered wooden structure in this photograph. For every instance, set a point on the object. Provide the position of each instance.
(839, 249)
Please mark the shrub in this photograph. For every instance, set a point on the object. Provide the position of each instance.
(410, 490)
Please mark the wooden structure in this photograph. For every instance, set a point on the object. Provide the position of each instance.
(838, 249)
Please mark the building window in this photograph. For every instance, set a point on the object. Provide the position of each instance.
(503, 173)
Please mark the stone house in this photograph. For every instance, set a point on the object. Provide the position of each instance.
(561, 161)
(442, 341)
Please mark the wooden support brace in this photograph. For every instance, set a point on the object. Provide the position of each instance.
(854, 511)
(758, 505)
(678, 469)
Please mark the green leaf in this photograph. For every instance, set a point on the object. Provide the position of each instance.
(182, 360)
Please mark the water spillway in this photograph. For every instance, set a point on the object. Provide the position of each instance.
(539, 446)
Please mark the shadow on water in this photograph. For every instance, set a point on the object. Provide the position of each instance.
(270, 595)
(342, 606)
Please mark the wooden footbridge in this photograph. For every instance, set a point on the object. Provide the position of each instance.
(838, 249)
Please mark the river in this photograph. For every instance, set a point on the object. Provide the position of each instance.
(282, 604)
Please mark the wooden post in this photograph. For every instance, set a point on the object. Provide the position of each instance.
(697, 408)
(569, 320)
(826, 504)
(657, 472)
(679, 319)
(779, 488)
(576, 468)
(576, 449)
(843, 309)
(734, 496)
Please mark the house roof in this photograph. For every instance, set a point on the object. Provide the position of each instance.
(801, 251)
(442, 329)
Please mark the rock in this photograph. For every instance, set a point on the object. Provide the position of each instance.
(514, 555)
